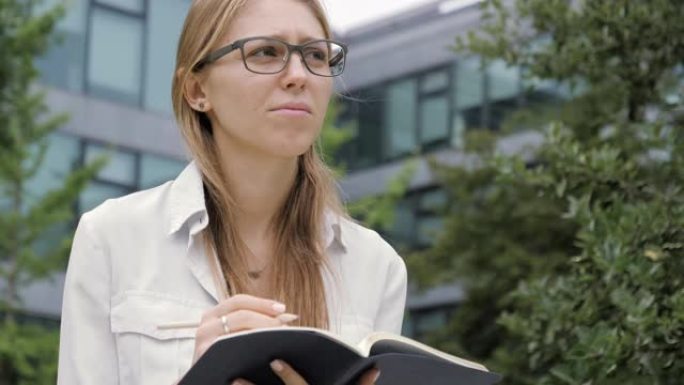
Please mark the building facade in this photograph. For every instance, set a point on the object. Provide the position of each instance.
(404, 90)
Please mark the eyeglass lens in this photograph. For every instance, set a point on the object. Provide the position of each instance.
(268, 56)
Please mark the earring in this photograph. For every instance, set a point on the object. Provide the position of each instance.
(201, 106)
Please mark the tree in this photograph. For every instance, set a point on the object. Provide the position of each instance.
(28, 353)
(573, 261)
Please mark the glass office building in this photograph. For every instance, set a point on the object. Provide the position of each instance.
(412, 94)
(112, 72)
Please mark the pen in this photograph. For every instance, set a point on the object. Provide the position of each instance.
(284, 318)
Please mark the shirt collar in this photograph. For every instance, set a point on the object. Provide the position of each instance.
(187, 206)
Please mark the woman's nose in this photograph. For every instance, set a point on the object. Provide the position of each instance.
(295, 70)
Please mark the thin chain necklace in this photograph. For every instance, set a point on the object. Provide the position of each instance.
(255, 274)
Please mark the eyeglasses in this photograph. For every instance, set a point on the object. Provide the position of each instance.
(265, 55)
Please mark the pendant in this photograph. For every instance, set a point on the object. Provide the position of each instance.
(254, 274)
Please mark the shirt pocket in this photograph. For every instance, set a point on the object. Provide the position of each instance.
(147, 354)
(354, 328)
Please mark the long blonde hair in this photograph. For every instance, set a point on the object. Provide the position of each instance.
(299, 251)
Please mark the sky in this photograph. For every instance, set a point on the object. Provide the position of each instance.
(349, 13)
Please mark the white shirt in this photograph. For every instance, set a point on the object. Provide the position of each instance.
(137, 262)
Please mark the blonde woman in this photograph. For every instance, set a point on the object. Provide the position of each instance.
(251, 234)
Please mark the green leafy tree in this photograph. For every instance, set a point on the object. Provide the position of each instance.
(573, 259)
(28, 353)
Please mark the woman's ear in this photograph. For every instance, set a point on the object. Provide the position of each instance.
(194, 92)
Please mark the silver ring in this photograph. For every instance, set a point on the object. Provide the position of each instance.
(224, 321)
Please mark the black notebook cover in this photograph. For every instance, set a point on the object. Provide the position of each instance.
(322, 360)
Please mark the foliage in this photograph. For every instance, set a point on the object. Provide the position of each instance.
(573, 259)
(28, 353)
(333, 137)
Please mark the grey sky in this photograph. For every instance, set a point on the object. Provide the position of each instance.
(348, 13)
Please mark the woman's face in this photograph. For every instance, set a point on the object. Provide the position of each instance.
(248, 110)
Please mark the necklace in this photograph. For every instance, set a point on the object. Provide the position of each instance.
(255, 274)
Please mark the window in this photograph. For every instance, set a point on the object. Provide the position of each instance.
(120, 168)
(98, 192)
(115, 54)
(467, 98)
(503, 89)
(400, 118)
(425, 321)
(434, 82)
(434, 108)
(434, 119)
(430, 210)
(62, 154)
(127, 5)
(155, 170)
(418, 218)
(118, 177)
(428, 228)
(368, 142)
(165, 19)
(63, 63)
(402, 230)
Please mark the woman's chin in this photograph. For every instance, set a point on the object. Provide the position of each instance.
(293, 152)
(293, 146)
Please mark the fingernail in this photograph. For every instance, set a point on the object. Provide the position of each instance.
(377, 375)
(276, 365)
(287, 317)
(279, 307)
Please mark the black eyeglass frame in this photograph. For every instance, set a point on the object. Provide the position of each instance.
(221, 52)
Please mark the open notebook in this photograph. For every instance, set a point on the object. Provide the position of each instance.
(322, 358)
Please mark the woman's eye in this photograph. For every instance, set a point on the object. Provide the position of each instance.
(265, 51)
(317, 54)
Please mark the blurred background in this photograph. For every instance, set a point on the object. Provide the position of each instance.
(523, 156)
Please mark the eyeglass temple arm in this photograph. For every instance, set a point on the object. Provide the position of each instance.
(215, 55)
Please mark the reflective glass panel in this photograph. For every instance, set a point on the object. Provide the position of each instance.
(128, 5)
(120, 167)
(504, 90)
(433, 200)
(164, 24)
(434, 81)
(403, 230)
(115, 56)
(61, 155)
(400, 117)
(504, 81)
(63, 63)
(155, 170)
(96, 193)
(469, 85)
(427, 229)
(434, 119)
(368, 149)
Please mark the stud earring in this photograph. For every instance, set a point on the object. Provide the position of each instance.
(201, 106)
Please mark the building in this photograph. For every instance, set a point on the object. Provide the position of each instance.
(113, 73)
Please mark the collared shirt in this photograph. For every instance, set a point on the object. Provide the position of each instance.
(137, 262)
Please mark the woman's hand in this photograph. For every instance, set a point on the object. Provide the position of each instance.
(237, 313)
(290, 377)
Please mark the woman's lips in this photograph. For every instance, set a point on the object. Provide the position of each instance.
(291, 112)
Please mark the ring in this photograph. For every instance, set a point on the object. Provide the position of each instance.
(224, 321)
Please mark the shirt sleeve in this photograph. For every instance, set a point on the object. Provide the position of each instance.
(391, 311)
(87, 351)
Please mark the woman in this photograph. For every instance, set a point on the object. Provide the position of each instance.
(251, 234)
